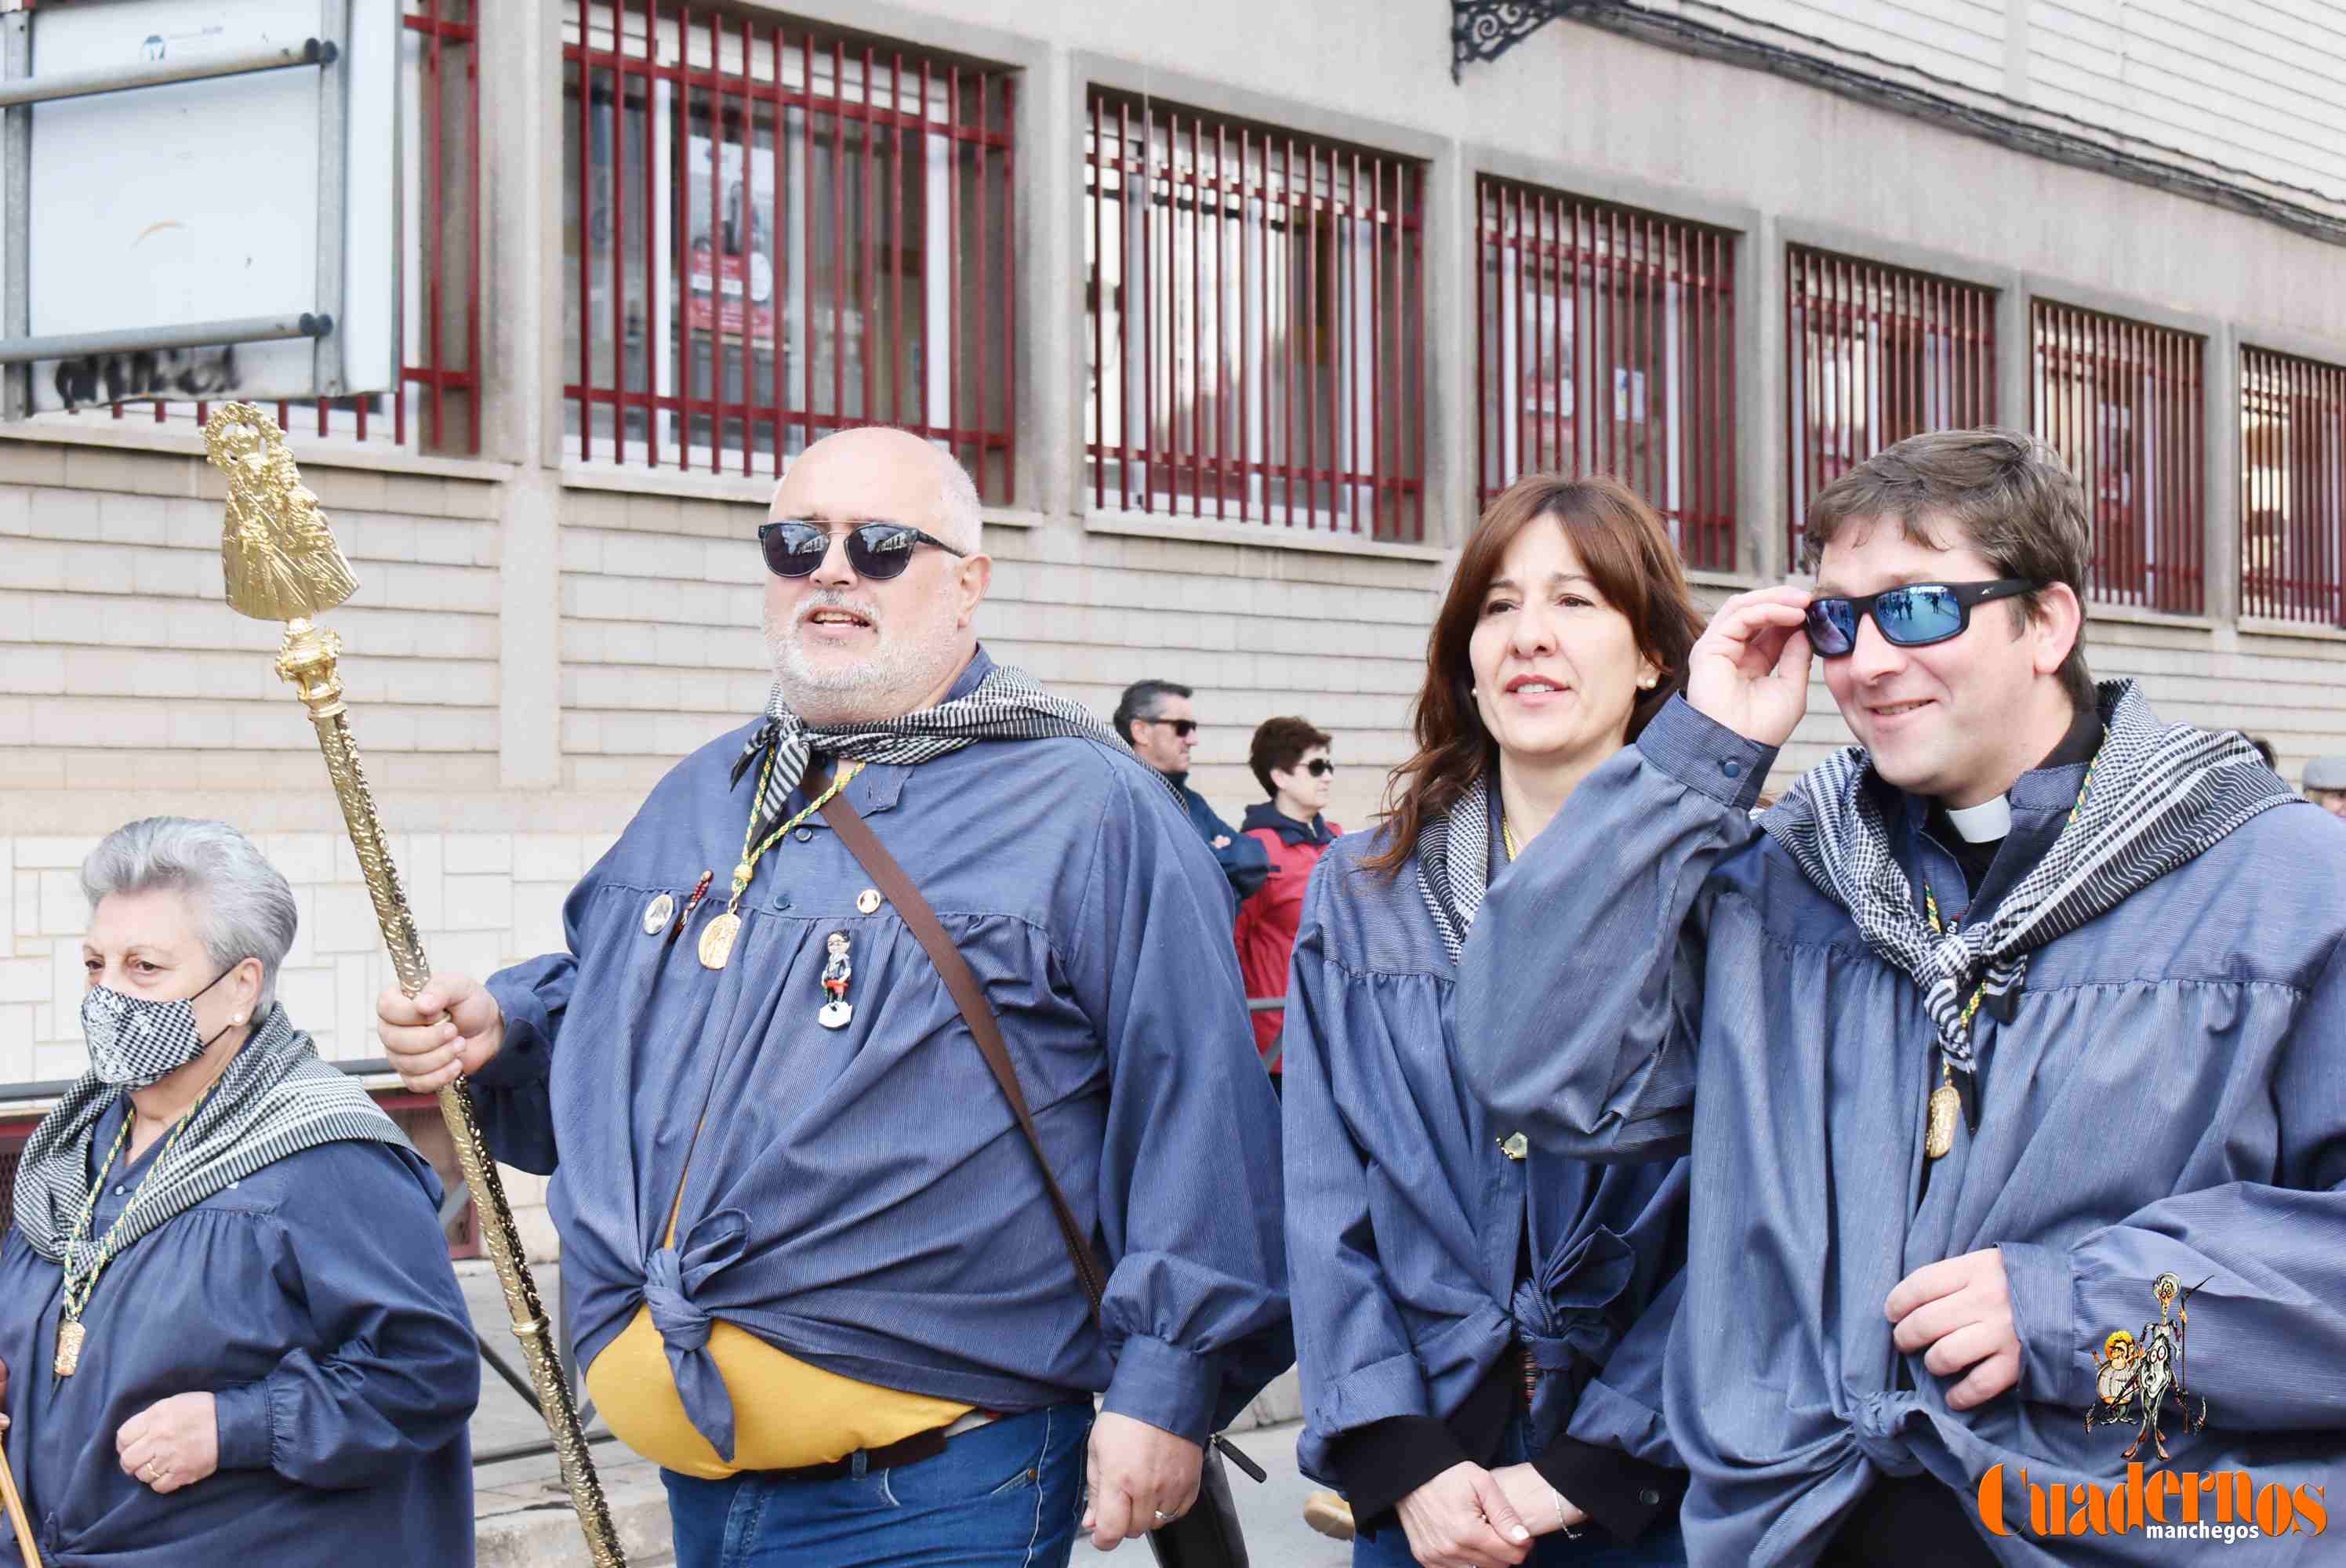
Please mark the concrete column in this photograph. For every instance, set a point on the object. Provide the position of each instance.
(2220, 378)
(1760, 373)
(1049, 278)
(2015, 359)
(1449, 392)
(520, 130)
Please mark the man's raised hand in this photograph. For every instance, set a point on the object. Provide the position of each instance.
(452, 1025)
(1750, 669)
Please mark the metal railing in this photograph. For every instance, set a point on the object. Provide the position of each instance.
(1605, 342)
(2292, 488)
(2122, 401)
(1256, 306)
(1877, 355)
(783, 233)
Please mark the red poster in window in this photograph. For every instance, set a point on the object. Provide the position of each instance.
(728, 275)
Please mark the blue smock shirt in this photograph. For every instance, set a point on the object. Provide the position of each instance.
(1408, 1221)
(859, 1197)
(313, 1301)
(2167, 1096)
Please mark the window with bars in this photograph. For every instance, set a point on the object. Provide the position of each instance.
(2292, 488)
(1606, 343)
(2123, 401)
(1876, 354)
(773, 233)
(437, 406)
(1254, 334)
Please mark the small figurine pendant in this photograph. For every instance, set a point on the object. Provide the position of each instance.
(1939, 1134)
(837, 973)
(70, 1335)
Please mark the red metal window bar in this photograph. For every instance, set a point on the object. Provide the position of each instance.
(2292, 488)
(443, 76)
(1256, 323)
(784, 234)
(1876, 354)
(2123, 401)
(1605, 342)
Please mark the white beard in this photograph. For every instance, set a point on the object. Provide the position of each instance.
(905, 663)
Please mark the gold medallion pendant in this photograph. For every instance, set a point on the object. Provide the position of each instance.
(69, 1338)
(717, 941)
(1939, 1137)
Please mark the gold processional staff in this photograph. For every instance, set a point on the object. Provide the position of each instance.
(283, 564)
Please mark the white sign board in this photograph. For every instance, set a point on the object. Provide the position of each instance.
(200, 201)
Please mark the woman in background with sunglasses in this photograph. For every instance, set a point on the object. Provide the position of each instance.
(1479, 1328)
(1290, 760)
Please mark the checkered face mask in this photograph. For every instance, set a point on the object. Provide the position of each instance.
(135, 1042)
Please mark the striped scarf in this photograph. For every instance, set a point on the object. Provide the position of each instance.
(276, 1098)
(1454, 861)
(2161, 794)
(1007, 705)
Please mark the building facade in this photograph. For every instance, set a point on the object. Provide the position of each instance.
(1238, 312)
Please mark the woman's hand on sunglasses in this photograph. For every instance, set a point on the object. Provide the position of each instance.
(1750, 669)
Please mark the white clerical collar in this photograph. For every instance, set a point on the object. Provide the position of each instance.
(1986, 823)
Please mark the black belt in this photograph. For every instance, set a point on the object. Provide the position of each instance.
(894, 1456)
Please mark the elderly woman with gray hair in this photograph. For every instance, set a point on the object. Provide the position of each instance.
(229, 1331)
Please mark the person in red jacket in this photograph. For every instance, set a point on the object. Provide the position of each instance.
(1291, 759)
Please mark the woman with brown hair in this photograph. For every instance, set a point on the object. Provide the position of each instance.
(1479, 1328)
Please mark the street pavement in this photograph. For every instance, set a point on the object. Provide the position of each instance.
(1272, 1513)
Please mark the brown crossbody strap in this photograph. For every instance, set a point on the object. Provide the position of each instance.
(898, 889)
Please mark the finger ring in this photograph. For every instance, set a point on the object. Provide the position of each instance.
(1163, 1517)
(150, 1472)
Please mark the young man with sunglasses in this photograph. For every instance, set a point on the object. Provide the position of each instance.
(2024, 1001)
(1154, 717)
(812, 1268)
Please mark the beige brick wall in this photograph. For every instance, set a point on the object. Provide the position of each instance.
(121, 666)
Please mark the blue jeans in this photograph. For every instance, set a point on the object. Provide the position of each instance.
(1660, 1546)
(1006, 1495)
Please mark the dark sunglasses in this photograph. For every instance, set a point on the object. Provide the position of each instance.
(1319, 767)
(1184, 728)
(1911, 616)
(875, 550)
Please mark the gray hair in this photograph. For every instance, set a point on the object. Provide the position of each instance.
(244, 907)
(958, 508)
(1141, 701)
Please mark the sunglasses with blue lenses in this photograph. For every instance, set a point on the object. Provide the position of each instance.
(1913, 616)
(875, 550)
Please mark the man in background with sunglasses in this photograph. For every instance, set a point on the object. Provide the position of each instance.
(1155, 718)
(2024, 1002)
(811, 1269)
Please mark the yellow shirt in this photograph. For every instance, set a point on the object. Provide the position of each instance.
(785, 1412)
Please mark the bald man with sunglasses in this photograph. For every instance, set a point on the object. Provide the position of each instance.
(813, 1268)
(2021, 1005)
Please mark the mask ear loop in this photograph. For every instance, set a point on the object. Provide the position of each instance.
(232, 1022)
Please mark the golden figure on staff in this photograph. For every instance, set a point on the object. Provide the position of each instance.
(283, 564)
